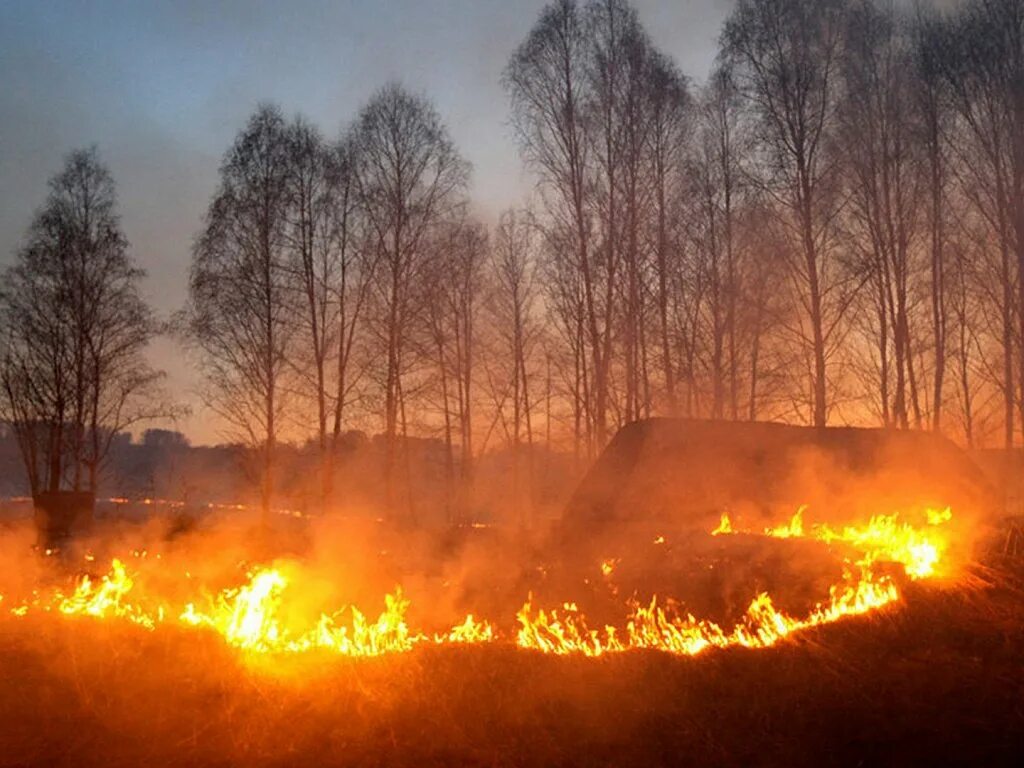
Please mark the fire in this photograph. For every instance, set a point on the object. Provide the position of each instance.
(546, 631)
(884, 538)
(469, 631)
(793, 529)
(249, 618)
(253, 617)
(106, 598)
(657, 628)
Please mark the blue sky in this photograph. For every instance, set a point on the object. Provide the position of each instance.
(162, 87)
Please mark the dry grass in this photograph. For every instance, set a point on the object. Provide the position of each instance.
(936, 681)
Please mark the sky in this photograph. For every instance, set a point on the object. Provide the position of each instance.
(161, 88)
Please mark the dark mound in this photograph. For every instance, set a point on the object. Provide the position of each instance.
(677, 473)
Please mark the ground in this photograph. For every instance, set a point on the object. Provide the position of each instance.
(938, 679)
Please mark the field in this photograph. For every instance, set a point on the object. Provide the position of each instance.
(936, 679)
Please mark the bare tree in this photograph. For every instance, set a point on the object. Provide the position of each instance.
(356, 259)
(884, 164)
(762, 307)
(715, 180)
(785, 54)
(965, 321)
(311, 238)
(75, 328)
(669, 132)
(408, 178)
(239, 314)
(566, 306)
(455, 279)
(514, 271)
(615, 66)
(982, 59)
(547, 82)
(932, 104)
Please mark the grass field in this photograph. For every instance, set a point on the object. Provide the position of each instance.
(936, 680)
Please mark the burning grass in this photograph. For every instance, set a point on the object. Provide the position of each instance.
(260, 616)
(137, 666)
(937, 680)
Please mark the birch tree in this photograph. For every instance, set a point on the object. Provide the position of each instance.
(74, 331)
(785, 54)
(239, 313)
(408, 178)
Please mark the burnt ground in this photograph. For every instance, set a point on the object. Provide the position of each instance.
(937, 680)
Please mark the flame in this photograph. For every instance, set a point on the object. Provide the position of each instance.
(253, 618)
(793, 529)
(546, 632)
(653, 626)
(724, 526)
(249, 618)
(939, 516)
(107, 598)
(883, 538)
(658, 628)
(469, 631)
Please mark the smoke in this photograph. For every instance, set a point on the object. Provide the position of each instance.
(639, 526)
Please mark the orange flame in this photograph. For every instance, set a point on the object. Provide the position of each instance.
(251, 617)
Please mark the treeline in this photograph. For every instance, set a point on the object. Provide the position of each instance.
(829, 230)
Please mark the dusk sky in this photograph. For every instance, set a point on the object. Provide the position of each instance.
(162, 89)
